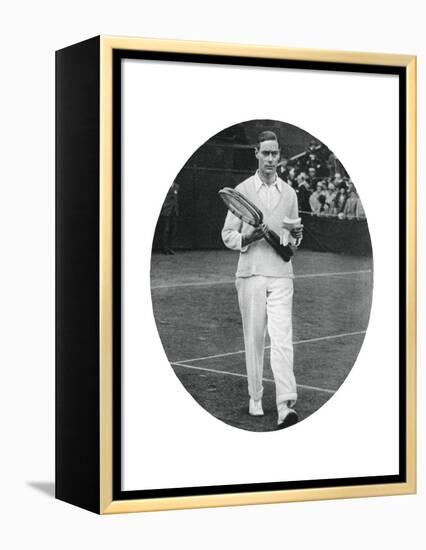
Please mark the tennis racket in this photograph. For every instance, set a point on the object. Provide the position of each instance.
(244, 209)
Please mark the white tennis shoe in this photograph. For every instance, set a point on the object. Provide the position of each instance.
(286, 417)
(255, 407)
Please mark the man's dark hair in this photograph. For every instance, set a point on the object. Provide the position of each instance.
(267, 135)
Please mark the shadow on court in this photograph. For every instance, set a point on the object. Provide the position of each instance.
(196, 312)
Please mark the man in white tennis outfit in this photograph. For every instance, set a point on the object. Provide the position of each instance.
(264, 281)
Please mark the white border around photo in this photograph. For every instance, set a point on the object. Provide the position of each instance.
(356, 116)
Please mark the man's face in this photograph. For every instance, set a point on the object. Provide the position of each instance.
(312, 172)
(268, 155)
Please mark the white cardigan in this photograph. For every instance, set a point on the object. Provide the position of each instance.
(258, 258)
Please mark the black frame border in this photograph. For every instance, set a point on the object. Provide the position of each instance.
(118, 56)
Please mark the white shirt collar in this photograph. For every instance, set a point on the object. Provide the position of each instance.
(258, 182)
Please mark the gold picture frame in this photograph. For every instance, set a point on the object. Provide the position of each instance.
(95, 61)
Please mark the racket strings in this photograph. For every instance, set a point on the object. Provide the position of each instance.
(241, 207)
(241, 210)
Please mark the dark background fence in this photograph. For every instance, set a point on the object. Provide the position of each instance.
(333, 235)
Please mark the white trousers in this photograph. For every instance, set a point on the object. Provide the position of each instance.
(266, 304)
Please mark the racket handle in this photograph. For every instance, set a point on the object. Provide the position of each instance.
(285, 252)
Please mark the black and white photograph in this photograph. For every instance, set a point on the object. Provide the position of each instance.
(244, 305)
(262, 275)
(213, 275)
(254, 232)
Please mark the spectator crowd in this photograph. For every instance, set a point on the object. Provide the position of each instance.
(321, 183)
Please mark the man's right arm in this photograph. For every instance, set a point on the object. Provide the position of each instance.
(234, 239)
(231, 233)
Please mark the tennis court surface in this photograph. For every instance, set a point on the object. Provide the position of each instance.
(196, 311)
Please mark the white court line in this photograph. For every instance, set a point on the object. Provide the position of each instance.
(331, 337)
(347, 278)
(331, 274)
(231, 281)
(314, 388)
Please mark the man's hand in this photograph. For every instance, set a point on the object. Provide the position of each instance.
(297, 232)
(253, 234)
